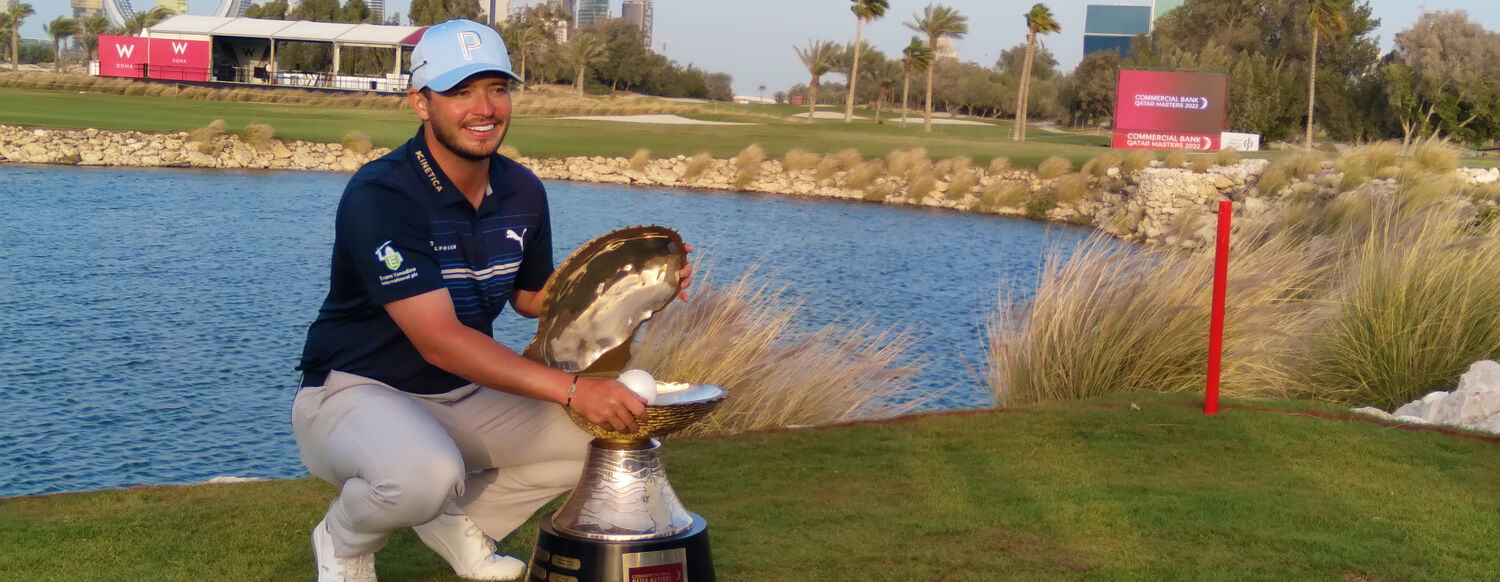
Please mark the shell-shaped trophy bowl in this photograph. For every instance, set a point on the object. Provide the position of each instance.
(678, 405)
(601, 294)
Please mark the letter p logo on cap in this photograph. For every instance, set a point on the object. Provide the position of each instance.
(467, 42)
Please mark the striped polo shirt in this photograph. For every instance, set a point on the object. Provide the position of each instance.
(403, 229)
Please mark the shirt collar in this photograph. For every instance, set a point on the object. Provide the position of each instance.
(438, 184)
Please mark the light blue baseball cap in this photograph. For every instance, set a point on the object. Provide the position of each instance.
(456, 50)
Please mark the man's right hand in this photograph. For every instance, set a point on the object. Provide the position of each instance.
(608, 403)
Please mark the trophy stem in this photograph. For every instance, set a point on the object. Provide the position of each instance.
(623, 495)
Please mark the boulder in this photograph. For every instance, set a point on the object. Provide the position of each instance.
(1475, 404)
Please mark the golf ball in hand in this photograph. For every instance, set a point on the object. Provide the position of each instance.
(640, 382)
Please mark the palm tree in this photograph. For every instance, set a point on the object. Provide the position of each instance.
(93, 26)
(59, 29)
(18, 13)
(522, 38)
(4, 33)
(1039, 20)
(147, 19)
(582, 49)
(819, 58)
(886, 77)
(1327, 18)
(863, 10)
(937, 21)
(916, 56)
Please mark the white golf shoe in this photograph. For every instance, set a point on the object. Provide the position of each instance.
(471, 553)
(331, 568)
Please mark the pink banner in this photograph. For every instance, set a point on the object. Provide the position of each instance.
(180, 60)
(1164, 140)
(122, 56)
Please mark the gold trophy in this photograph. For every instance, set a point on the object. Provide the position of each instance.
(623, 522)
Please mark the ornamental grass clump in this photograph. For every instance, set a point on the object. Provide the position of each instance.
(1101, 164)
(747, 165)
(258, 135)
(357, 143)
(921, 185)
(1227, 158)
(1202, 163)
(797, 160)
(847, 159)
(1071, 189)
(826, 169)
(1176, 159)
(864, 174)
(953, 166)
(1434, 155)
(901, 163)
(1054, 167)
(962, 183)
(1003, 194)
(1137, 160)
(696, 165)
(638, 161)
(999, 165)
(207, 137)
(509, 151)
(753, 340)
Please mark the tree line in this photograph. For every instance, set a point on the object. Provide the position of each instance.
(1294, 67)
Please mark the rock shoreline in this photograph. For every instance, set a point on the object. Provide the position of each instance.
(1155, 205)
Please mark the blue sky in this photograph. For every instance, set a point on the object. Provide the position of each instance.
(752, 40)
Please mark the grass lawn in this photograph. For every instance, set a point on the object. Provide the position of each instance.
(1083, 491)
(546, 136)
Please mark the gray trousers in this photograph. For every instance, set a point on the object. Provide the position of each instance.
(398, 458)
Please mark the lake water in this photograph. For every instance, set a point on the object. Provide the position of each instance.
(151, 319)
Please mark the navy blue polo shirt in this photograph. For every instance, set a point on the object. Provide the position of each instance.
(403, 229)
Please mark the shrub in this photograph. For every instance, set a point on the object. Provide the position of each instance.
(1370, 158)
(509, 151)
(358, 143)
(879, 191)
(1227, 157)
(953, 166)
(1185, 224)
(1099, 166)
(998, 166)
(257, 135)
(696, 165)
(1354, 177)
(1176, 159)
(639, 160)
(798, 160)
(1302, 164)
(961, 183)
(751, 339)
(1201, 163)
(1053, 167)
(208, 134)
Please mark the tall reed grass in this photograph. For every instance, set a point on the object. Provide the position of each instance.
(696, 165)
(638, 161)
(1370, 298)
(1054, 167)
(750, 338)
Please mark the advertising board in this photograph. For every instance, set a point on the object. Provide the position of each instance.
(122, 56)
(180, 60)
(1170, 110)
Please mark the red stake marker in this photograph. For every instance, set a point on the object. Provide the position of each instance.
(1216, 325)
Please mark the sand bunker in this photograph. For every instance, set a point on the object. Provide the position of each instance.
(663, 119)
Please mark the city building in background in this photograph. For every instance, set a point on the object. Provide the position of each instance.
(638, 12)
(1112, 26)
(177, 6)
(377, 9)
(495, 11)
(945, 49)
(590, 12)
(87, 8)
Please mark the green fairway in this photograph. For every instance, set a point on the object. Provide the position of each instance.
(1094, 490)
(547, 136)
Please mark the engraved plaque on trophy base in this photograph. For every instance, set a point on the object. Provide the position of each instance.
(559, 557)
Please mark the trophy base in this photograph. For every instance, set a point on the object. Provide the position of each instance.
(559, 557)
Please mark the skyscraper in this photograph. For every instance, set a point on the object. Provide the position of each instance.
(496, 11)
(377, 9)
(591, 11)
(638, 12)
(86, 8)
